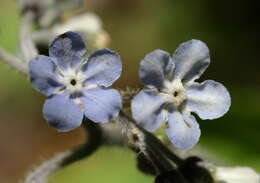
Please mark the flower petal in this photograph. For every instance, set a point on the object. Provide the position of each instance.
(209, 99)
(155, 68)
(147, 109)
(101, 104)
(102, 68)
(42, 75)
(191, 59)
(68, 49)
(183, 131)
(61, 113)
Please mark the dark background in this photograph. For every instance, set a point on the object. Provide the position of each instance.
(231, 31)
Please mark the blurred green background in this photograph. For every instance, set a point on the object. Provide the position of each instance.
(231, 30)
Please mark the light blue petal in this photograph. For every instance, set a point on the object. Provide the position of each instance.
(191, 60)
(209, 99)
(183, 131)
(42, 75)
(103, 68)
(68, 50)
(155, 68)
(61, 113)
(147, 109)
(101, 104)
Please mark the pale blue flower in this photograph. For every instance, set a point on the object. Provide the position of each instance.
(173, 93)
(75, 85)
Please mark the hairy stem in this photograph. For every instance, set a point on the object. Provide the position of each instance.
(42, 172)
(94, 140)
(149, 139)
(27, 46)
(160, 157)
(13, 61)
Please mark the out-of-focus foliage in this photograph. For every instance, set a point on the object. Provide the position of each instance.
(109, 164)
(231, 31)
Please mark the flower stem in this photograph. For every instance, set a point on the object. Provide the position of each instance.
(150, 140)
(94, 141)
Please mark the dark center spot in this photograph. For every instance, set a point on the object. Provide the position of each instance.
(73, 82)
(175, 94)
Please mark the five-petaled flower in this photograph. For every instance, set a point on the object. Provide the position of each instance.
(174, 93)
(76, 86)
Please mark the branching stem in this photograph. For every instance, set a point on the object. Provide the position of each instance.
(94, 140)
(27, 46)
(13, 61)
(149, 139)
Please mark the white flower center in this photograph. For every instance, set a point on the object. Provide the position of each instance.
(176, 92)
(72, 80)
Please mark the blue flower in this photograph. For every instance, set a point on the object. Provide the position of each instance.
(76, 86)
(173, 93)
